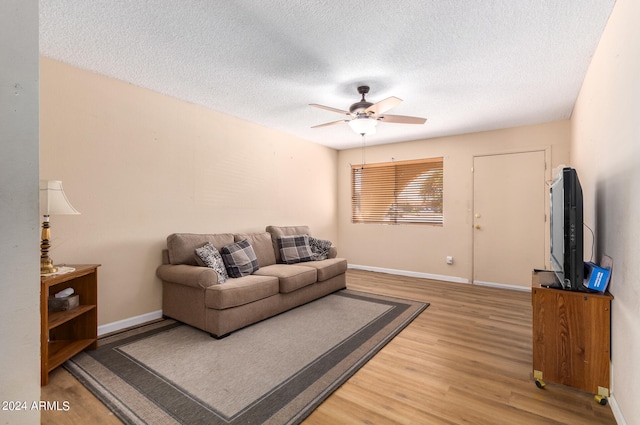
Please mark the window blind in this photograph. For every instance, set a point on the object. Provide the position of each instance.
(398, 192)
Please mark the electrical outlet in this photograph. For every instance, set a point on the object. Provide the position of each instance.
(449, 259)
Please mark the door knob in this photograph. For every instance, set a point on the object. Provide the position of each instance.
(477, 226)
(477, 215)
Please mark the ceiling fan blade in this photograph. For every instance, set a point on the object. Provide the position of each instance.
(329, 108)
(329, 123)
(383, 106)
(402, 119)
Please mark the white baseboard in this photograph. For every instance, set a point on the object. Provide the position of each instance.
(438, 277)
(503, 286)
(617, 413)
(126, 323)
(410, 273)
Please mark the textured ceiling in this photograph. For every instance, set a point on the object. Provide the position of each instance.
(465, 65)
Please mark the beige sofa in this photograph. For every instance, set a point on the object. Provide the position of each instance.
(192, 294)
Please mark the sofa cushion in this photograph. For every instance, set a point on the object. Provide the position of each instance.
(210, 257)
(239, 258)
(320, 248)
(261, 244)
(181, 246)
(328, 268)
(276, 231)
(240, 291)
(294, 249)
(290, 277)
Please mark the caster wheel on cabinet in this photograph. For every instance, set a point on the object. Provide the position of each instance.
(540, 383)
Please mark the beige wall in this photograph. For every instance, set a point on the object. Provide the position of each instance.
(139, 165)
(606, 152)
(422, 249)
(19, 223)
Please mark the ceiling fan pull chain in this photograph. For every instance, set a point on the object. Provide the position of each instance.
(363, 156)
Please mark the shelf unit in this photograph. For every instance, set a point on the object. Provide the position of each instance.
(63, 334)
(571, 336)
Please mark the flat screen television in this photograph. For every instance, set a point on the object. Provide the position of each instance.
(566, 230)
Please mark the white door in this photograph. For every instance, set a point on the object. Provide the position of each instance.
(509, 213)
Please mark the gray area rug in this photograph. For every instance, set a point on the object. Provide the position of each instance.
(274, 372)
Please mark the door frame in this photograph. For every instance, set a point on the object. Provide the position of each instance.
(548, 179)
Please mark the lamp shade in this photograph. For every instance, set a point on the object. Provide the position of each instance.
(53, 201)
(363, 125)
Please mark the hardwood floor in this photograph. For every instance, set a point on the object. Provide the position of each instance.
(84, 407)
(464, 360)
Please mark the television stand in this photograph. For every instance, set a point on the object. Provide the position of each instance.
(571, 337)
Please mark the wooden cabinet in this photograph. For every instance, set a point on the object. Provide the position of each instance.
(571, 336)
(64, 334)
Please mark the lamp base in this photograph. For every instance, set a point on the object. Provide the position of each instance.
(46, 263)
(46, 266)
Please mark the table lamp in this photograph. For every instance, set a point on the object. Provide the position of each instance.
(53, 201)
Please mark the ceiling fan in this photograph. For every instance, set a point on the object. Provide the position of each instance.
(364, 116)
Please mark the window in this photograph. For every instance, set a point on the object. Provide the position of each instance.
(397, 192)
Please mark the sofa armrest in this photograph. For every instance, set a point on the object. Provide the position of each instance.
(195, 276)
(333, 252)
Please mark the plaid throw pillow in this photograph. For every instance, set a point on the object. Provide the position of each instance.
(319, 248)
(294, 249)
(211, 258)
(239, 258)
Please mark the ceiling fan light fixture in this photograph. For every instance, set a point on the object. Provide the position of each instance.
(363, 125)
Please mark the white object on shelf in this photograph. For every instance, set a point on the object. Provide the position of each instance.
(64, 293)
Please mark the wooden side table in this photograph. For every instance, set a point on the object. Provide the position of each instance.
(63, 334)
(571, 337)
